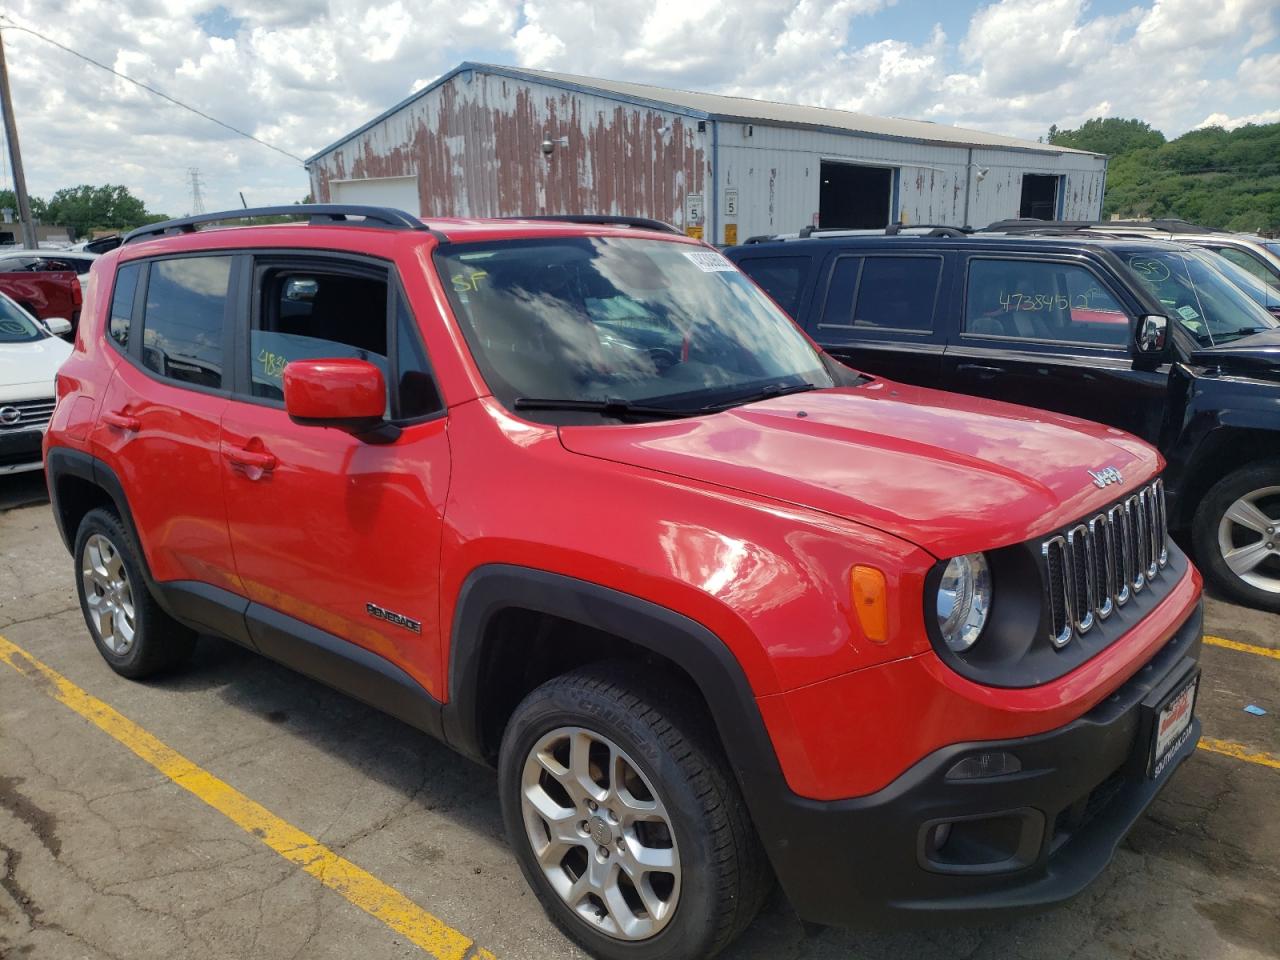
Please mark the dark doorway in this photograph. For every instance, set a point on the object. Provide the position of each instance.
(854, 197)
(1039, 197)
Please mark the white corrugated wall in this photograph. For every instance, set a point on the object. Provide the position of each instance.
(775, 171)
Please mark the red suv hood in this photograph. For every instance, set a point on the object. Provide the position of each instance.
(950, 473)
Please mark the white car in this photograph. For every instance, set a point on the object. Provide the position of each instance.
(20, 258)
(31, 351)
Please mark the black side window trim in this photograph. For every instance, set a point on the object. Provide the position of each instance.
(257, 262)
(852, 325)
(964, 334)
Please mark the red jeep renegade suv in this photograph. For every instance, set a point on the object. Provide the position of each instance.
(576, 497)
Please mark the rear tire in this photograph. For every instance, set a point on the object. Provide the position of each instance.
(657, 823)
(1236, 535)
(134, 636)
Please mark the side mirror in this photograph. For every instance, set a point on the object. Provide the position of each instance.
(349, 395)
(58, 326)
(1152, 340)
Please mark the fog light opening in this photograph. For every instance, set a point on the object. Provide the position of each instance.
(938, 837)
(981, 766)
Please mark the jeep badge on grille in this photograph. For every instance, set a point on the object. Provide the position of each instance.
(1105, 476)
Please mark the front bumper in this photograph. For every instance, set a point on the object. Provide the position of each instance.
(869, 861)
(20, 450)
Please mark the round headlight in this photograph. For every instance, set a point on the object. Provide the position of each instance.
(964, 598)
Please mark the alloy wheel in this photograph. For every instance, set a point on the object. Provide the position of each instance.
(1249, 538)
(600, 833)
(108, 595)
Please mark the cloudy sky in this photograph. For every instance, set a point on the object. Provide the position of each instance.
(300, 73)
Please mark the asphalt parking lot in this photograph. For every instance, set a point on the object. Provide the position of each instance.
(240, 810)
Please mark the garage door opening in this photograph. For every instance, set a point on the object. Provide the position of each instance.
(1039, 197)
(855, 197)
(400, 193)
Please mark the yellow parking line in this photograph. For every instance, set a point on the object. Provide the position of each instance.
(1238, 751)
(337, 873)
(1242, 647)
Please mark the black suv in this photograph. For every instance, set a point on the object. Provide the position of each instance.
(1144, 335)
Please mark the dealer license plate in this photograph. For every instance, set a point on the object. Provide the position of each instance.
(1173, 727)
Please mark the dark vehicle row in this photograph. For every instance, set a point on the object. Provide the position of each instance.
(1140, 333)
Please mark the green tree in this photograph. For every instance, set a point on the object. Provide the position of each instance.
(1109, 135)
(39, 208)
(87, 207)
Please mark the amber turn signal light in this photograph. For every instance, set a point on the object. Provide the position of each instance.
(871, 602)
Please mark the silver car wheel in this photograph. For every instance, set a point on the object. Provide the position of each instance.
(600, 833)
(1249, 538)
(108, 594)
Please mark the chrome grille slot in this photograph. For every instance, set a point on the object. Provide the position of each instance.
(31, 413)
(1081, 578)
(1102, 562)
(1055, 558)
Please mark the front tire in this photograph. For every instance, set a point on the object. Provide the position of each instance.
(625, 818)
(1236, 535)
(134, 636)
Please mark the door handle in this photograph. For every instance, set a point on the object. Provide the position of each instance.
(250, 459)
(984, 372)
(122, 421)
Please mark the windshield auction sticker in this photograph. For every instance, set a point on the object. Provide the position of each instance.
(708, 261)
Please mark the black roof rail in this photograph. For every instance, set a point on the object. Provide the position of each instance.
(604, 220)
(1028, 225)
(386, 218)
(760, 238)
(935, 229)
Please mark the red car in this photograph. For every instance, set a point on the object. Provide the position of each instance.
(45, 287)
(576, 497)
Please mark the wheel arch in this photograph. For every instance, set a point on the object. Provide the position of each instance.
(496, 646)
(79, 482)
(1222, 452)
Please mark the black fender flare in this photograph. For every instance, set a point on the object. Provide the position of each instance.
(700, 653)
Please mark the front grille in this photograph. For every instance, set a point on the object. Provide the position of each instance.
(30, 413)
(1101, 563)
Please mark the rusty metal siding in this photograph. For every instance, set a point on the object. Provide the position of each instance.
(474, 143)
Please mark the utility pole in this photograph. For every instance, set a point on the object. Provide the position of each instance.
(15, 155)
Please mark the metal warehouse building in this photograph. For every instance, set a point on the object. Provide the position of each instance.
(490, 141)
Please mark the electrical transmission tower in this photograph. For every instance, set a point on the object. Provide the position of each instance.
(197, 201)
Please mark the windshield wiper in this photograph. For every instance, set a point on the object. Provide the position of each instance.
(608, 408)
(765, 393)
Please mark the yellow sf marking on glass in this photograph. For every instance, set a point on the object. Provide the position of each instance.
(358, 886)
(1242, 647)
(1238, 751)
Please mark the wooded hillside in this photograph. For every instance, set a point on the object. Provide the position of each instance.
(1219, 178)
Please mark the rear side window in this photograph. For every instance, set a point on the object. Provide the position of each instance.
(183, 323)
(1036, 300)
(897, 293)
(782, 278)
(122, 303)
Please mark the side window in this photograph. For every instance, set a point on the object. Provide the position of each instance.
(837, 310)
(122, 303)
(897, 293)
(782, 278)
(1034, 300)
(309, 314)
(182, 325)
(417, 387)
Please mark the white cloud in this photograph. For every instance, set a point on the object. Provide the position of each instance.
(300, 73)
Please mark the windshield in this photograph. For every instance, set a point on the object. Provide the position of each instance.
(647, 322)
(1208, 305)
(15, 324)
(1258, 289)
(1273, 246)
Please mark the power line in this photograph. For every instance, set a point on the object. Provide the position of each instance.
(10, 25)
